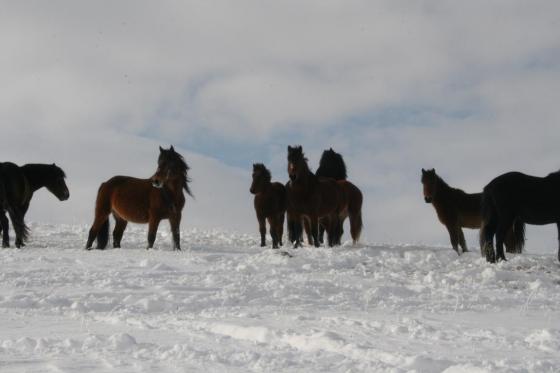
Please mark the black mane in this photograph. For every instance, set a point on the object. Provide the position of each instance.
(332, 165)
(170, 155)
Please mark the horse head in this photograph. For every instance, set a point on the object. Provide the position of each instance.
(172, 168)
(297, 163)
(261, 178)
(56, 183)
(429, 181)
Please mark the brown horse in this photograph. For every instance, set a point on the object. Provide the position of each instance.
(312, 198)
(332, 165)
(270, 204)
(456, 209)
(142, 201)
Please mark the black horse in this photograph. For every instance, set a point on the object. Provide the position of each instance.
(17, 185)
(515, 197)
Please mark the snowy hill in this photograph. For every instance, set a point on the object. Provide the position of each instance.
(225, 304)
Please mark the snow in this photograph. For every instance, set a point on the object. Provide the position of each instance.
(226, 304)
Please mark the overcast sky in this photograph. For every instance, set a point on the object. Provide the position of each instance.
(470, 88)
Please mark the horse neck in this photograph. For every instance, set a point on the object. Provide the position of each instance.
(265, 187)
(35, 175)
(175, 186)
(444, 190)
(309, 180)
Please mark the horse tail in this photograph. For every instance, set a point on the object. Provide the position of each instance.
(103, 235)
(515, 238)
(355, 202)
(17, 217)
(488, 226)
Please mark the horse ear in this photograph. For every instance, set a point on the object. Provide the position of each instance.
(423, 171)
(289, 148)
(160, 149)
(172, 149)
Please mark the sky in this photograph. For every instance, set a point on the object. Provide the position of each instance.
(470, 88)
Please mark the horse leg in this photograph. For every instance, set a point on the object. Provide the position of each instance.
(262, 229)
(5, 229)
(314, 226)
(175, 222)
(558, 227)
(462, 241)
(297, 231)
(453, 236)
(272, 228)
(322, 231)
(503, 226)
(307, 226)
(153, 225)
(120, 226)
(98, 223)
(280, 228)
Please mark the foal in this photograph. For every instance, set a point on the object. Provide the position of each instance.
(270, 204)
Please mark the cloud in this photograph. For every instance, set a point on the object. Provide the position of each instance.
(469, 88)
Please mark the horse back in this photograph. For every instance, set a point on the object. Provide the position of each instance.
(16, 188)
(352, 195)
(129, 197)
(272, 202)
(535, 200)
(467, 207)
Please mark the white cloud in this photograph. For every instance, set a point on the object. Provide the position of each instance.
(469, 88)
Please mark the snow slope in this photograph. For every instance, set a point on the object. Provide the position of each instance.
(225, 304)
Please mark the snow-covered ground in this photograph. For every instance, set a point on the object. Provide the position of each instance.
(224, 304)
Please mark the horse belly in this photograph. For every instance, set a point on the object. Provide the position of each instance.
(135, 210)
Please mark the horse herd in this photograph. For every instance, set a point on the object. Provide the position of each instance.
(314, 203)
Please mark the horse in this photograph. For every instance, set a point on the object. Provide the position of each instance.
(332, 165)
(456, 209)
(269, 203)
(514, 198)
(17, 185)
(142, 201)
(312, 198)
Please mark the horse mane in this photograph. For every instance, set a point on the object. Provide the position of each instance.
(184, 173)
(332, 165)
(265, 172)
(37, 173)
(42, 169)
(554, 174)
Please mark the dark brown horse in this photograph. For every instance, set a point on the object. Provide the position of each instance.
(312, 198)
(456, 209)
(142, 201)
(332, 165)
(515, 198)
(270, 204)
(17, 185)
